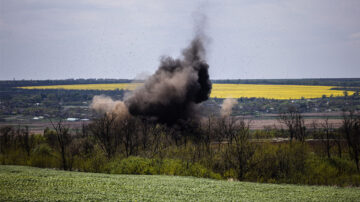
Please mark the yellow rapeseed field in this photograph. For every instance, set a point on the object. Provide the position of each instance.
(225, 90)
(273, 91)
(109, 86)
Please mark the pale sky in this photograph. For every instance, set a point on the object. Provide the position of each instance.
(250, 39)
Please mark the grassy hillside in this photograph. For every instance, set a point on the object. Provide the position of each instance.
(27, 183)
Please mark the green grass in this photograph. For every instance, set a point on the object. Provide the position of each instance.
(18, 183)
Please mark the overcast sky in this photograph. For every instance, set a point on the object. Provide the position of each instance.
(57, 39)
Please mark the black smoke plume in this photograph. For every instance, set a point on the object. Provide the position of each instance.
(171, 94)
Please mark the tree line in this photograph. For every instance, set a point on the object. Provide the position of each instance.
(216, 147)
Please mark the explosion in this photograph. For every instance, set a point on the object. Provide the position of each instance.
(173, 92)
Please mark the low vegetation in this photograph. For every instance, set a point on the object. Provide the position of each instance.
(19, 183)
(218, 148)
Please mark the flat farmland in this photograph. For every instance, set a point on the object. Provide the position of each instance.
(273, 91)
(225, 90)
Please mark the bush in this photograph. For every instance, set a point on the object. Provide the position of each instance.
(230, 174)
(133, 165)
(337, 171)
(281, 163)
(43, 156)
(145, 166)
(263, 134)
(265, 164)
(14, 157)
(344, 166)
(319, 171)
(95, 162)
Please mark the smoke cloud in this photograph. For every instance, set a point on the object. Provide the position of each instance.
(103, 104)
(227, 106)
(176, 87)
(174, 91)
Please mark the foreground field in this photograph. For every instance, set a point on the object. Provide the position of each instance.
(19, 183)
(225, 90)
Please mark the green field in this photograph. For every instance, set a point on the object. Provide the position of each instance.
(18, 183)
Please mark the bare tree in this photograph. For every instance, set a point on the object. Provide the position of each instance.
(242, 146)
(208, 134)
(63, 137)
(351, 131)
(26, 141)
(225, 129)
(295, 123)
(130, 136)
(219, 130)
(231, 127)
(338, 138)
(104, 131)
(327, 136)
(5, 140)
(145, 129)
(240, 151)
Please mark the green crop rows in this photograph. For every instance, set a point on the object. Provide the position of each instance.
(35, 184)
